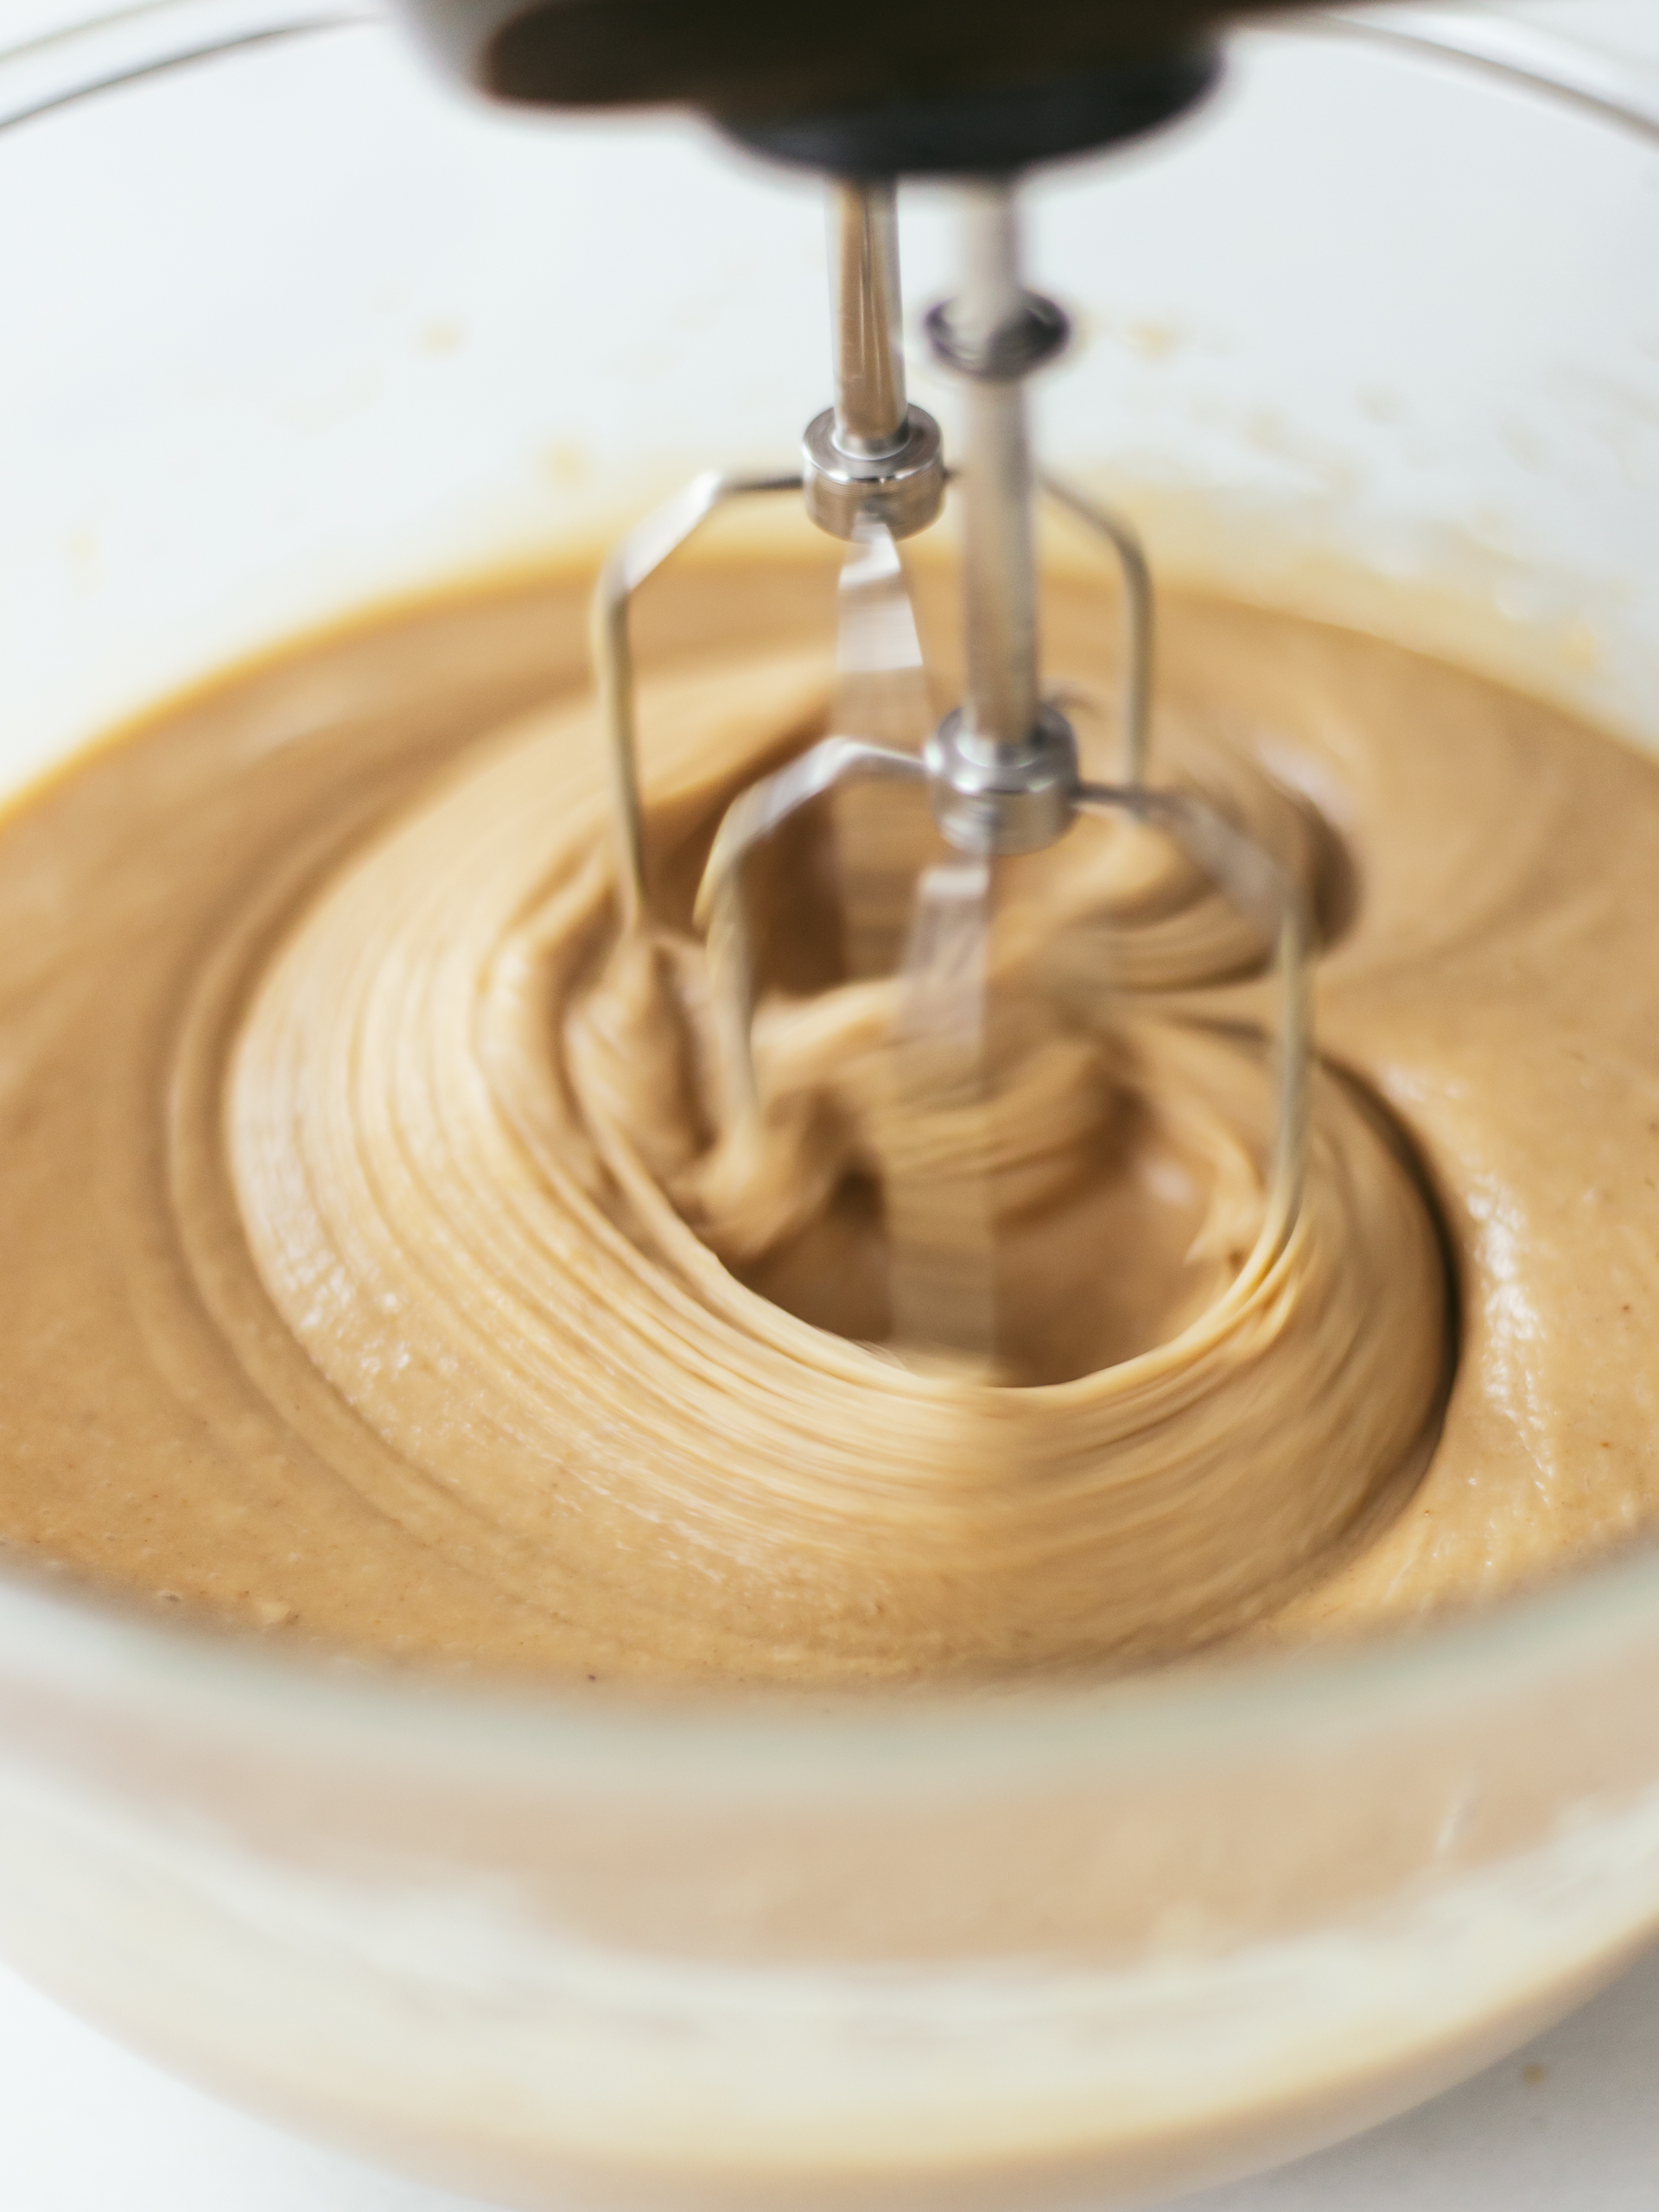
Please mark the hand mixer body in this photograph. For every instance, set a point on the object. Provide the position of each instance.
(878, 87)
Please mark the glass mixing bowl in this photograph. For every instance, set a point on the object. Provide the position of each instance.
(292, 330)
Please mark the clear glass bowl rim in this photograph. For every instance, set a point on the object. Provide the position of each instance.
(106, 1651)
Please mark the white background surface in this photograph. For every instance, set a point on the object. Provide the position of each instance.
(1570, 2125)
(83, 2128)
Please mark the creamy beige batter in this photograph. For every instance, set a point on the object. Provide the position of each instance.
(386, 1264)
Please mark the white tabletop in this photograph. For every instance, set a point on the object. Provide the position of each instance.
(1570, 2125)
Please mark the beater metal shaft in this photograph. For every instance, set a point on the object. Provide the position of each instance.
(872, 457)
(1002, 768)
(872, 409)
(999, 561)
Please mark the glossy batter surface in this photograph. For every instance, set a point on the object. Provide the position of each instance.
(387, 1265)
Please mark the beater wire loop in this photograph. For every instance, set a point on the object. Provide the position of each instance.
(1139, 615)
(1260, 888)
(631, 564)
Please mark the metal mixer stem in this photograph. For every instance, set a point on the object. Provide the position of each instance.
(998, 584)
(872, 409)
(872, 457)
(1001, 767)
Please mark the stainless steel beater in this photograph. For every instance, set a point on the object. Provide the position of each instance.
(1001, 771)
